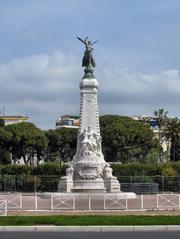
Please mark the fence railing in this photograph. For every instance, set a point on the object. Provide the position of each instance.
(62, 202)
(13, 201)
(90, 202)
(168, 201)
(3, 208)
(137, 184)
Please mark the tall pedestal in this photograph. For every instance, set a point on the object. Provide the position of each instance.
(88, 171)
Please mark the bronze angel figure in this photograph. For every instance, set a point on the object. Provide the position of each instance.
(88, 60)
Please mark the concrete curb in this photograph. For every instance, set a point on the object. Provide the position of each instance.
(87, 228)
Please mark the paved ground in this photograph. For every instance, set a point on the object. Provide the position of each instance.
(46, 213)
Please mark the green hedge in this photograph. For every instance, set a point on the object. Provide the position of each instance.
(137, 169)
(46, 177)
(43, 169)
(119, 170)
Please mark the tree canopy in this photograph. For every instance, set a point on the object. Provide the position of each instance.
(62, 144)
(125, 139)
(172, 133)
(26, 142)
(2, 123)
(5, 139)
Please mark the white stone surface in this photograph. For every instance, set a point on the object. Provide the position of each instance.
(65, 185)
(89, 172)
(78, 196)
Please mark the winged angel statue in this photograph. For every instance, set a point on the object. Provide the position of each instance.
(88, 60)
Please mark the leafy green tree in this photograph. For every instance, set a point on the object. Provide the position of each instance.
(172, 133)
(125, 139)
(2, 123)
(177, 150)
(62, 144)
(15, 143)
(5, 157)
(152, 156)
(161, 116)
(27, 141)
(54, 141)
(5, 138)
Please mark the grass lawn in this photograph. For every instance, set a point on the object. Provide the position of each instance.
(89, 220)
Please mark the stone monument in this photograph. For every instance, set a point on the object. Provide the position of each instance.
(89, 172)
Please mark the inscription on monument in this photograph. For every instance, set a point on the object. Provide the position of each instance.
(91, 171)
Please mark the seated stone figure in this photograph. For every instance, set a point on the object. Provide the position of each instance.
(90, 142)
(108, 172)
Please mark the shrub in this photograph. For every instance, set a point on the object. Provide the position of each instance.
(168, 170)
(15, 169)
(47, 169)
(136, 169)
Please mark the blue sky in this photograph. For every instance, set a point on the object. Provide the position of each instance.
(137, 56)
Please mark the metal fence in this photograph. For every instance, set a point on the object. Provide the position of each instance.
(137, 184)
(3, 208)
(89, 202)
(13, 201)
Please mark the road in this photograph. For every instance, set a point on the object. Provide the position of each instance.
(90, 235)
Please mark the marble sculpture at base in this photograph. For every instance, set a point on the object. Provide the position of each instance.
(89, 172)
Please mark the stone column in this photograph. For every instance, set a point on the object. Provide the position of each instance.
(88, 171)
(88, 162)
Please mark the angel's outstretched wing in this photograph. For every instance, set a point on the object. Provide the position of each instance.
(94, 42)
(81, 40)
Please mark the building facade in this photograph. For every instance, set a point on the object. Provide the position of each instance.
(67, 121)
(13, 119)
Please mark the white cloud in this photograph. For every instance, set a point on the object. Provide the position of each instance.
(38, 84)
(126, 82)
(46, 86)
(127, 92)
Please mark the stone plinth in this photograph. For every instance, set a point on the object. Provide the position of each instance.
(65, 185)
(89, 186)
(112, 185)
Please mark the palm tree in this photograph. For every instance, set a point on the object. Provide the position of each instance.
(161, 117)
(172, 133)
